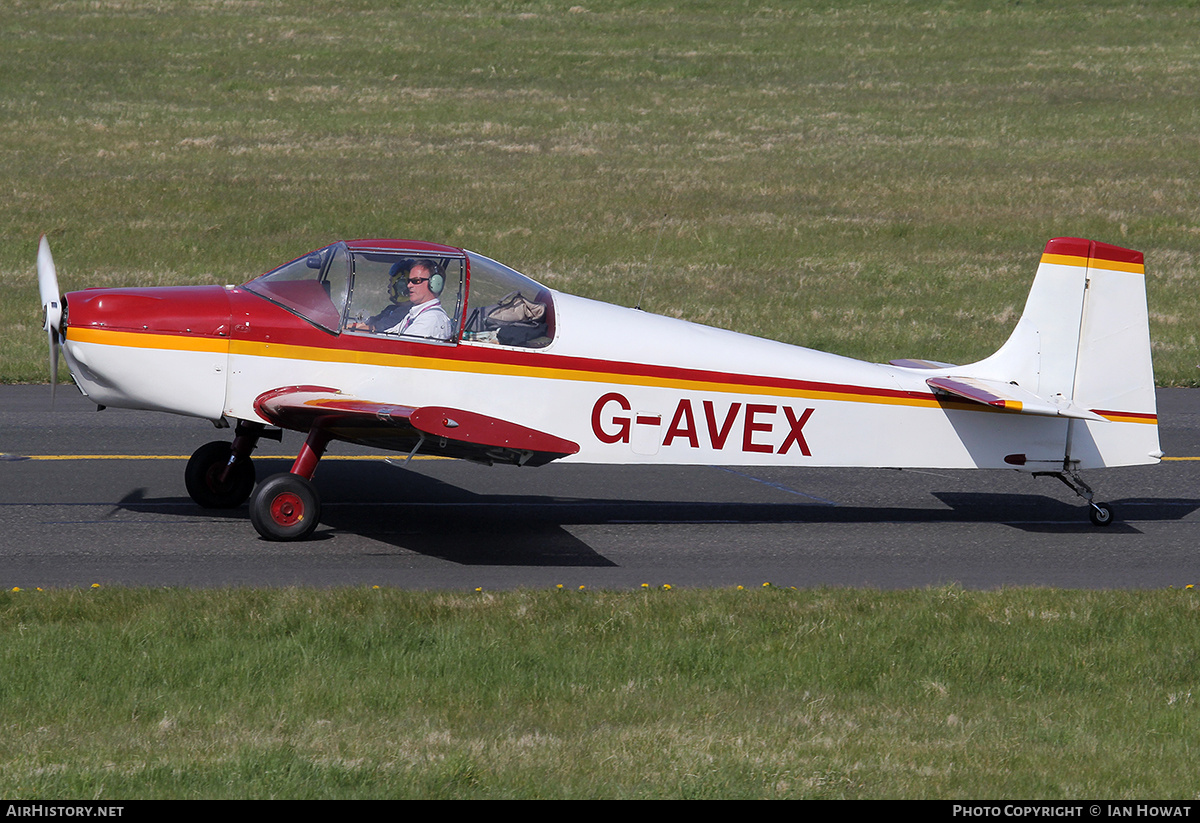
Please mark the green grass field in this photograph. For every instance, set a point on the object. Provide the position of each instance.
(755, 693)
(876, 180)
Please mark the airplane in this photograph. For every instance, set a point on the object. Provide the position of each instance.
(512, 372)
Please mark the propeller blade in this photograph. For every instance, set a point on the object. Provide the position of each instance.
(52, 334)
(48, 285)
(51, 306)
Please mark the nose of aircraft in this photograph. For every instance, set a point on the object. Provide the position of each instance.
(163, 348)
(190, 311)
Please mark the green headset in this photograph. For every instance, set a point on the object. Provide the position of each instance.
(398, 274)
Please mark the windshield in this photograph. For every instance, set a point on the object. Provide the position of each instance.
(389, 291)
(314, 287)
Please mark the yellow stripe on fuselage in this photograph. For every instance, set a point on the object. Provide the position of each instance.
(733, 385)
(148, 340)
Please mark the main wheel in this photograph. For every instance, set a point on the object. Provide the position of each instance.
(285, 507)
(203, 477)
(1101, 514)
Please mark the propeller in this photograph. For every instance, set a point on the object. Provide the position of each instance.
(51, 306)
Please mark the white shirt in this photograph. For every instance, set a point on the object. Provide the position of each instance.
(426, 319)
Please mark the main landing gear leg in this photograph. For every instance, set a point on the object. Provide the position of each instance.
(1101, 514)
(286, 506)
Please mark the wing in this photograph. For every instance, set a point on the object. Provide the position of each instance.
(1007, 396)
(427, 429)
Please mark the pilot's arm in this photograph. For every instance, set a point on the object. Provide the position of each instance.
(390, 316)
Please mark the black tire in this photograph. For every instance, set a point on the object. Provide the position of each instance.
(285, 507)
(1102, 514)
(202, 473)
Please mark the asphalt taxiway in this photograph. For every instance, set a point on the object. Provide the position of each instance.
(98, 497)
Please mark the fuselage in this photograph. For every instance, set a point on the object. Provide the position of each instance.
(626, 385)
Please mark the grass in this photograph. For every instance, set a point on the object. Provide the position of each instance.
(872, 180)
(762, 693)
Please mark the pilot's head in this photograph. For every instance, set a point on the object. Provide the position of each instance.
(418, 281)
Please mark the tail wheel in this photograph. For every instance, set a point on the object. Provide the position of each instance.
(285, 507)
(1101, 514)
(203, 477)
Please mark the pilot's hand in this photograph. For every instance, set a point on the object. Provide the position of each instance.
(356, 325)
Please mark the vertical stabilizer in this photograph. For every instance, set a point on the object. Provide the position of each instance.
(1084, 336)
(1083, 343)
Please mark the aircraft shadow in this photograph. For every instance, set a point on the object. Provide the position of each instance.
(421, 514)
(505, 517)
(1037, 513)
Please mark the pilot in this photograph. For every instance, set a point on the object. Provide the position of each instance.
(421, 281)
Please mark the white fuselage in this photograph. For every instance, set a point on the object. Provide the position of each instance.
(627, 386)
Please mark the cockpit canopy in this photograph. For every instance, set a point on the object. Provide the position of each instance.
(418, 291)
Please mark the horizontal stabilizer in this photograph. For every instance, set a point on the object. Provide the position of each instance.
(1008, 397)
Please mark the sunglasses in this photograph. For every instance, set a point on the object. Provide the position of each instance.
(415, 280)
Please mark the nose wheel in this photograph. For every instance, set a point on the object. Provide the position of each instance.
(215, 480)
(220, 475)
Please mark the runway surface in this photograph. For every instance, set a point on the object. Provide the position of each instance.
(88, 497)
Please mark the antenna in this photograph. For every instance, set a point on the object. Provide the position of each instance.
(649, 262)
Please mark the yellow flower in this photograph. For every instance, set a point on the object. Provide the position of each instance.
(16, 588)
(645, 585)
(666, 587)
(95, 585)
(1189, 586)
(740, 588)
